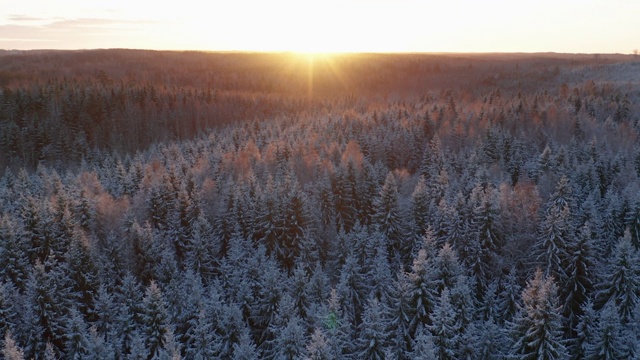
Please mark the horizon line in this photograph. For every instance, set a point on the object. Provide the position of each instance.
(247, 51)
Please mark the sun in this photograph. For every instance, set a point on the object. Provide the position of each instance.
(312, 27)
(317, 39)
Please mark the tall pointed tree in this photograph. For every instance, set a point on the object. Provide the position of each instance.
(537, 329)
(580, 272)
(155, 320)
(389, 218)
(372, 341)
(445, 328)
(609, 340)
(10, 350)
(620, 283)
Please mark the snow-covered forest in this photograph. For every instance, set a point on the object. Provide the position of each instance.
(166, 205)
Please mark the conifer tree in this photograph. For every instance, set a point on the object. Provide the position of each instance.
(203, 249)
(14, 262)
(8, 314)
(554, 242)
(339, 331)
(33, 233)
(620, 283)
(446, 270)
(10, 350)
(632, 221)
(389, 218)
(317, 288)
(485, 340)
(372, 341)
(609, 340)
(368, 190)
(231, 327)
(421, 291)
(487, 226)
(201, 339)
(399, 313)
(580, 273)
(457, 232)
(297, 285)
(290, 341)
(146, 251)
(376, 266)
(183, 219)
(421, 207)
(128, 317)
(85, 212)
(245, 349)
(296, 220)
(77, 344)
(433, 159)
(83, 273)
(445, 328)
(508, 301)
(265, 303)
(155, 320)
(423, 347)
(537, 328)
(325, 201)
(587, 325)
(225, 223)
(318, 347)
(345, 203)
(47, 296)
(352, 291)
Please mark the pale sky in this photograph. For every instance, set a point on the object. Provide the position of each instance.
(570, 26)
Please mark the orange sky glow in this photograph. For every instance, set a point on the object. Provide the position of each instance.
(572, 26)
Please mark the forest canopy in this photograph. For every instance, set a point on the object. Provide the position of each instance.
(234, 205)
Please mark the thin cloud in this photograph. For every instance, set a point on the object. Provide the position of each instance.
(24, 18)
(27, 40)
(25, 34)
(72, 32)
(95, 23)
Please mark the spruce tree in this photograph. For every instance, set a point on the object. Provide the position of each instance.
(77, 344)
(352, 291)
(620, 283)
(632, 221)
(609, 340)
(445, 328)
(580, 272)
(14, 260)
(372, 340)
(8, 313)
(554, 242)
(423, 347)
(398, 311)
(155, 320)
(584, 332)
(318, 347)
(338, 329)
(537, 328)
(421, 292)
(10, 350)
(201, 339)
(98, 348)
(421, 207)
(245, 349)
(508, 301)
(389, 218)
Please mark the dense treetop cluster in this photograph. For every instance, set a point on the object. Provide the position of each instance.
(159, 205)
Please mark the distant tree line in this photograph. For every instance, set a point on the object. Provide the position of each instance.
(57, 108)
